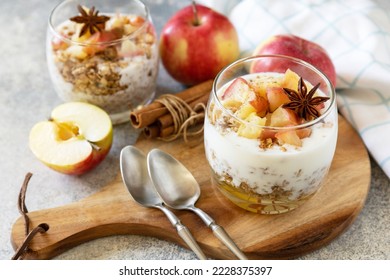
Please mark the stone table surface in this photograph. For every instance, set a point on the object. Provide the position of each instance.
(27, 96)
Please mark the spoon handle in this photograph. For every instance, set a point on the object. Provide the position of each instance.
(186, 235)
(219, 232)
(183, 231)
(222, 235)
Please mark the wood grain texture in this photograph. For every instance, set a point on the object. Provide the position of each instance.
(112, 211)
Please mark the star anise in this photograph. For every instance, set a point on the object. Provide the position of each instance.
(92, 21)
(303, 102)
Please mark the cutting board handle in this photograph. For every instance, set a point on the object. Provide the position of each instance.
(111, 211)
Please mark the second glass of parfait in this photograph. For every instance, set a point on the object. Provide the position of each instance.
(103, 52)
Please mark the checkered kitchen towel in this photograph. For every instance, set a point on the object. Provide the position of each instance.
(356, 34)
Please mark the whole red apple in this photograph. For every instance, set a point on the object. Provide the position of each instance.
(297, 47)
(196, 43)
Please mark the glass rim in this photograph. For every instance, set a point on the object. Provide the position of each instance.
(310, 123)
(112, 42)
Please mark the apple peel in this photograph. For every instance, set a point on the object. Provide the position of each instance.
(297, 47)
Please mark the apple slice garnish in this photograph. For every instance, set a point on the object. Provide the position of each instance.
(77, 51)
(303, 132)
(282, 117)
(260, 104)
(58, 43)
(130, 49)
(265, 115)
(290, 80)
(245, 110)
(267, 133)
(288, 137)
(252, 129)
(76, 139)
(100, 41)
(256, 104)
(276, 97)
(238, 90)
(136, 20)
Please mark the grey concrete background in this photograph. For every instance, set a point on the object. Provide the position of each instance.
(27, 96)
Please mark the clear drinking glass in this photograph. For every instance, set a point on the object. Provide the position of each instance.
(114, 67)
(264, 156)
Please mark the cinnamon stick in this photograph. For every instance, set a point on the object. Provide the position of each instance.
(152, 131)
(167, 131)
(148, 114)
(167, 119)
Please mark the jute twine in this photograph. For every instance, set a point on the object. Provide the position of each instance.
(183, 117)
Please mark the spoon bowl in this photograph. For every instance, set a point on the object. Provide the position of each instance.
(175, 185)
(137, 179)
(179, 189)
(133, 166)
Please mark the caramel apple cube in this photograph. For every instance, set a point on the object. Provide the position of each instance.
(76, 51)
(290, 80)
(288, 137)
(267, 133)
(238, 90)
(283, 117)
(260, 86)
(130, 49)
(252, 129)
(260, 104)
(276, 97)
(303, 133)
(245, 110)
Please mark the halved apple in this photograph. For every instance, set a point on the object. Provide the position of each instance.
(76, 139)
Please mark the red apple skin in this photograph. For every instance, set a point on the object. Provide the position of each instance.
(93, 160)
(236, 89)
(294, 46)
(87, 165)
(90, 163)
(194, 53)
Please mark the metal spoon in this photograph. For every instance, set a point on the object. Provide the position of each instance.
(179, 190)
(136, 178)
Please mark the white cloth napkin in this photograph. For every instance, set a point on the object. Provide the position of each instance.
(356, 34)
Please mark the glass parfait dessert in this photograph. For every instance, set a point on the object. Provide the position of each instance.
(107, 57)
(270, 132)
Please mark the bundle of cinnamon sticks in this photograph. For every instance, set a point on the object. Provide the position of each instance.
(157, 121)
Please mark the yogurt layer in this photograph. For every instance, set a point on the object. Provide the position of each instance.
(298, 170)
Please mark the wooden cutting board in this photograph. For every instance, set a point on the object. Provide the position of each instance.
(112, 211)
